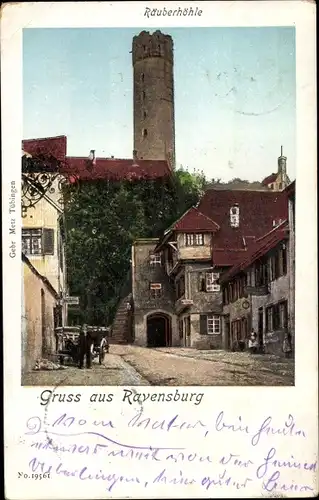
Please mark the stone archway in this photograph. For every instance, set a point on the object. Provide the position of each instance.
(159, 330)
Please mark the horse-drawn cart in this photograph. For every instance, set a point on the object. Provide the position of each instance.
(68, 342)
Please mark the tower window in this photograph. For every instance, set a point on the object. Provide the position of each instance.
(144, 114)
(142, 77)
(143, 94)
(144, 132)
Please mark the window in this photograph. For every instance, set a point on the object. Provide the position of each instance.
(211, 282)
(277, 317)
(180, 328)
(143, 95)
(155, 290)
(38, 241)
(155, 259)
(261, 273)
(144, 114)
(283, 315)
(210, 324)
(142, 77)
(144, 132)
(195, 239)
(226, 295)
(278, 263)
(282, 260)
(213, 325)
(269, 319)
(234, 216)
(180, 287)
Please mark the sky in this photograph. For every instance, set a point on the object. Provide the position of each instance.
(235, 95)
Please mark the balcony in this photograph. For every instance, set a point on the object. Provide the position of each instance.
(182, 304)
(257, 290)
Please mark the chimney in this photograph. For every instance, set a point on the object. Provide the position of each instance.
(135, 158)
(282, 163)
(92, 156)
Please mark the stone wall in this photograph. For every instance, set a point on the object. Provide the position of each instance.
(278, 291)
(142, 275)
(39, 339)
(154, 129)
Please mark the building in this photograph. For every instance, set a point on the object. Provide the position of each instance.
(40, 311)
(43, 228)
(256, 294)
(279, 180)
(154, 128)
(178, 276)
(43, 252)
(291, 193)
(153, 298)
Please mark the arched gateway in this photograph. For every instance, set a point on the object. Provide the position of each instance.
(159, 330)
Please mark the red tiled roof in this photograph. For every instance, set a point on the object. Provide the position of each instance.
(194, 220)
(257, 211)
(260, 248)
(48, 146)
(115, 169)
(103, 168)
(268, 180)
(225, 258)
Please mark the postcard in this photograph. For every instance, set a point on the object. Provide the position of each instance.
(159, 208)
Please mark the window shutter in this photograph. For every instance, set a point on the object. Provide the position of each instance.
(203, 324)
(200, 281)
(48, 241)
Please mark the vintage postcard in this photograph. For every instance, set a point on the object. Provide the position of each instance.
(159, 206)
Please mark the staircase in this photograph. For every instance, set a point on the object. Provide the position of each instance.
(122, 324)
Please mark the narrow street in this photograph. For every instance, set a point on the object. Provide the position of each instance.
(133, 365)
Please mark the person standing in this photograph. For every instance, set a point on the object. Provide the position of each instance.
(287, 347)
(85, 347)
(253, 343)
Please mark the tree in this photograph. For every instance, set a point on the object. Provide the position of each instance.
(102, 221)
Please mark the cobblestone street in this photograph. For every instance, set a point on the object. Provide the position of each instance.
(133, 365)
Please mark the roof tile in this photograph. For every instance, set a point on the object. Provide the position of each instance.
(260, 248)
(257, 211)
(49, 146)
(269, 180)
(116, 169)
(194, 220)
(102, 168)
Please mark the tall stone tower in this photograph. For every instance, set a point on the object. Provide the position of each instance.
(154, 128)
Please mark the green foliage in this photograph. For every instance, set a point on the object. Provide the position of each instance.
(103, 219)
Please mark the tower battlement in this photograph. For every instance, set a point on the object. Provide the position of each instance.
(155, 44)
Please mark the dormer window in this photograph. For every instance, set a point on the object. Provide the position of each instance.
(234, 216)
(194, 239)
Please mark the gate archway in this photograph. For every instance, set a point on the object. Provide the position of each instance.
(159, 330)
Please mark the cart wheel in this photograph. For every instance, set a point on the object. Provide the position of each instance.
(102, 351)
